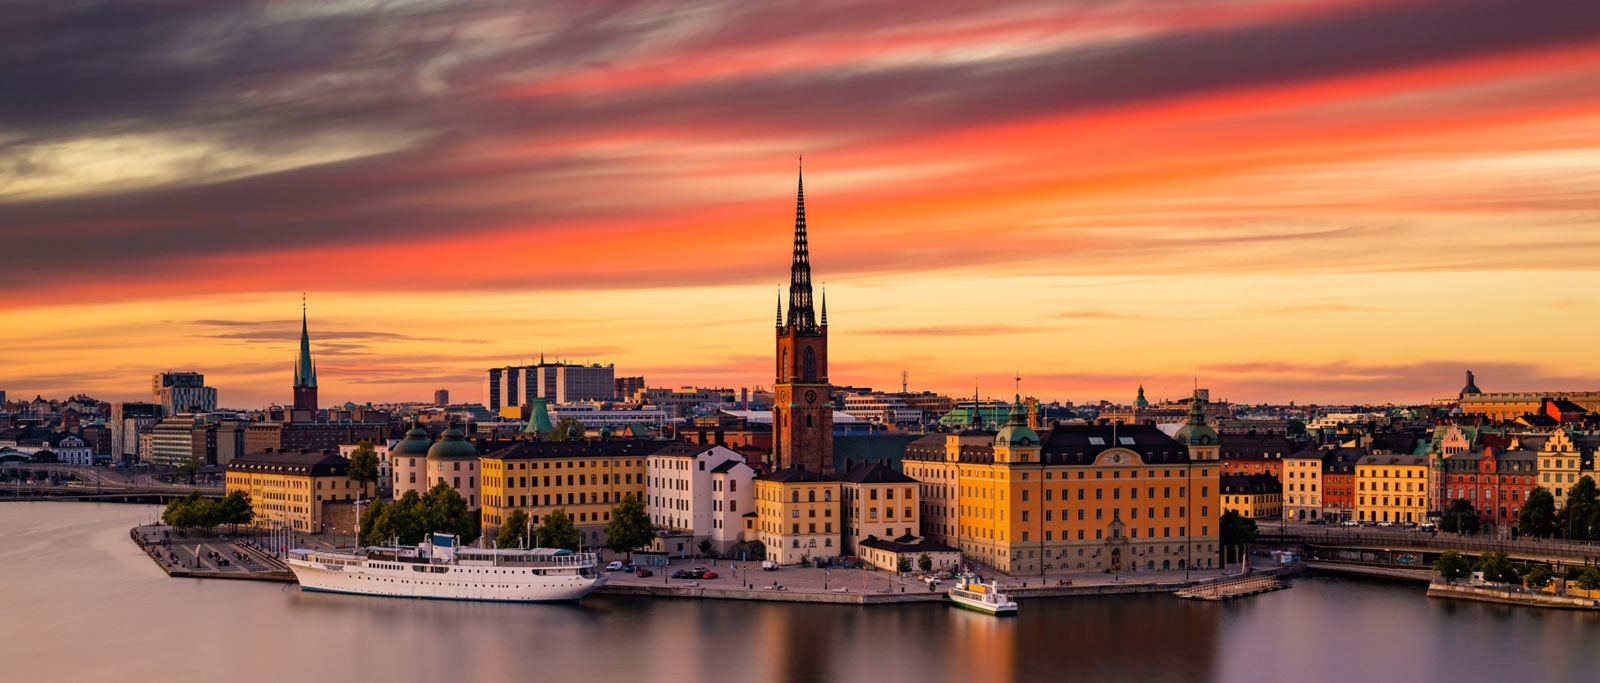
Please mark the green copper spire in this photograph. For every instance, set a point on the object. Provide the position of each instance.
(538, 418)
(1141, 402)
(305, 371)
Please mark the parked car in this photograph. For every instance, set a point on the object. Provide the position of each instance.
(1386, 523)
(1350, 522)
(615, 566)
(769, 565)
(709, 575)
(1314, 522)
(1427, 526)
(682, 574)
(631, 568)
(645, 572)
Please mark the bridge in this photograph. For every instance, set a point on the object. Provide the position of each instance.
(48, 481)
(1417, 550)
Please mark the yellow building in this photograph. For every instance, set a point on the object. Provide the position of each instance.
(1561, 465)
(798, 515)
(1302, 485)
(1253, 496)
(1392, 488)
(289, 488)
(1080, 498)
(587, 478)
(878, 503)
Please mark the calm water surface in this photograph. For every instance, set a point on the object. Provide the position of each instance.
(79, 601)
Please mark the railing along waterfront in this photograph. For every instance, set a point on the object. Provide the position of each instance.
(1441, 541)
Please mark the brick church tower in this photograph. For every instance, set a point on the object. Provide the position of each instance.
(305, 371)
(802, 410)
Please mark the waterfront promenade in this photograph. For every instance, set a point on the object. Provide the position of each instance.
(199, 555)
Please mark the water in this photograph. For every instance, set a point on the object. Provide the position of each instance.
(79, 601)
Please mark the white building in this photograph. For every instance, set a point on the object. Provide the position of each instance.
(385, 467)
(68, 449)
(703, 491)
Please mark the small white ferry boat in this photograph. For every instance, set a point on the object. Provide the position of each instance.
(973, 594)
(440, 570)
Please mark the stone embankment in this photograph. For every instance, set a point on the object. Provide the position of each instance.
(259, 567)
(1510, 596)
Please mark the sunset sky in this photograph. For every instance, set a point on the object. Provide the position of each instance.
(1309, 200)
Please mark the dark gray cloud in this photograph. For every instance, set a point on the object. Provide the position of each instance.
(255, 76)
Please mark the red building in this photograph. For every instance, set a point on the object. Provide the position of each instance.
(1253, 453)
(802, 412)
(1495, 481)
(1339, 483)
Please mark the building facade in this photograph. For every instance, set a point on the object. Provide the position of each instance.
(687, 494)
(182, 392)
(1495, 481)
(1392, 488)
(289, 489)
(586, 478)
(1302, 485)
(878, 503)
(798, 515)
(1253, 496)
(1562, 463)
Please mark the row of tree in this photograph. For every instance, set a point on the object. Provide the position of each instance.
(1579, 519)
(198, 512)
(628, 530)
(409, 519)
(1497, 567)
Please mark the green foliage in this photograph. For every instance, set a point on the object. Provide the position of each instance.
(235, 509)
(194, 512)
(630, 528)
(556, 530)
(411, 518)
(1539, 576)
(1236, 530)
(1589, 579)
(903, 565)
(444, 510)
(1580, 518)
(1459, 517)
(1497, 568)
(925, 563)
(514, 531)
(364, 465)
(1538, 515)
(564, 429)
(1297, 428)
(189, 468)
(1452, 566)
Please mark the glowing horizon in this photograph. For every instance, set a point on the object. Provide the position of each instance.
(1324, 201)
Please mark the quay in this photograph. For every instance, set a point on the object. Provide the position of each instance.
(1510, 595)
(187, 556)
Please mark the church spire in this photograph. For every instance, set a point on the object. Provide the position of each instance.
(824, 304)
(801, 314)
(305, 371)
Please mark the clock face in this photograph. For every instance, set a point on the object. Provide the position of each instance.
(1116, 457)
(811, 396)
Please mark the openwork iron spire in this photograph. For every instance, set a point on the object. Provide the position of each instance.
(801, 314)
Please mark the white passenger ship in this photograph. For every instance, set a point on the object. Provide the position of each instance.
(439, 569)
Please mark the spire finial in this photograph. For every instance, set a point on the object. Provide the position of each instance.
(824, 304)
(801, 315)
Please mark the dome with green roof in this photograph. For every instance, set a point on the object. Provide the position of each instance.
(1141, 401)
(453, 445)
(414, 445)
(1195, 431)
(1017, 432)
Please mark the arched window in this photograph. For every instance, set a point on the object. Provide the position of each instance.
(808, 367)
(808, 420)
(783, 366)
(811, 496)
(794, 496)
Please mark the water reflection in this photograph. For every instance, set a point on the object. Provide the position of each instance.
(91, 606)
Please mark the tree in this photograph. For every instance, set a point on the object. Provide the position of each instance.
(1497, 568)
(564, 429)
(925, 563)
(401, 522)
(514, 532)
(235, 509)
(189, 469)
(1580, 517)
(1459, 517)
(902, 565)
(705, 547)
(557, 531)
(372, 531)
(1296, 428)
(1538, 515)
(1589, 579)
(1539, 576)
(445, 511)
(1452, 566)
(1236, 531)
(630, 528)
(364, 465)
(193, 511)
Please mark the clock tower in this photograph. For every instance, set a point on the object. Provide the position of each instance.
(802, 408)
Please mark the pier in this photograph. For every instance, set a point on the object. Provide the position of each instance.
(1233, 588)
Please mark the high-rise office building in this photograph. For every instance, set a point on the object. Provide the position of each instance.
(557, 382)
(127, 420)
(441, 397)
(182, 392)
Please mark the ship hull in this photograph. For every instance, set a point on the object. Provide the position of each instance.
(446, 582)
